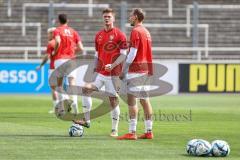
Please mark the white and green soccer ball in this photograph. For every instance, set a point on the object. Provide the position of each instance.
(76, 130)
(191, 147)
(220, 148)
(199, 147)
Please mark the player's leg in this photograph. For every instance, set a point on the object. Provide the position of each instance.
(133, 112)
(53, 92)
(115, 113)
(132, 82)
(61, 95)
(87, 105)
(147, 108)
(88, 89)
(74, 98)
(54, 99)
(114, 103)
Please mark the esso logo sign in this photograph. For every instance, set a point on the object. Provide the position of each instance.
(18, 76)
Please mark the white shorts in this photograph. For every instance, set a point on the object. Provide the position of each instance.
(108, 82)
(59, 62)
(50, 71)
(140, 86)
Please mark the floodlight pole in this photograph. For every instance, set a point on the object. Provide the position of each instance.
(195, 34)
(50, 14)
(170, 8)
(123, 16)
(9, 8)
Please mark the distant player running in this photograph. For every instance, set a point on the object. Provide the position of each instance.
(49, 51)
(110, 45)
(139, 64)
(67, 42)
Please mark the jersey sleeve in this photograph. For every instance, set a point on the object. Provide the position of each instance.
(77, 37)
(122, 41)
(56, 33)
(134, 39)
(49, 49)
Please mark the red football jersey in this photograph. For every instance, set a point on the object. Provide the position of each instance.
(140, 39)
(108, 45)
(69, 39)
(49, 51)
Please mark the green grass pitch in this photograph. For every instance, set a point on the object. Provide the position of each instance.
(28, 132)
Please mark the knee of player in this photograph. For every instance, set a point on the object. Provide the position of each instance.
(113, 101)
(144, 101)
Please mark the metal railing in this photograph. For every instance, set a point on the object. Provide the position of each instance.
(26, 50)
(57, 5)
(204, 26)
(200, 7)
(38, 25)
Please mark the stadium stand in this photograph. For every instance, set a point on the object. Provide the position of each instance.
(223, 25)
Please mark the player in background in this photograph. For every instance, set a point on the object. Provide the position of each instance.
(67, 43)
(110, 45)
(138, 64)
(49, 51)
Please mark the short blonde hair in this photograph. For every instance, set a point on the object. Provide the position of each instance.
(108, 10)
(50, 30)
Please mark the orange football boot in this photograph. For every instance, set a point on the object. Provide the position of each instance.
(148, 135)
(128, 136)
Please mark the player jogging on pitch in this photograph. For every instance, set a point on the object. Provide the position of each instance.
(49, 51)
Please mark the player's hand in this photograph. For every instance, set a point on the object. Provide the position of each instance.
(38, 68)
(108, 67)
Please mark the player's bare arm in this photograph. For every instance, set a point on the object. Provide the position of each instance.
(57, 44)
(44, 60)
(120, 59)
(130, 57)
(80, 47)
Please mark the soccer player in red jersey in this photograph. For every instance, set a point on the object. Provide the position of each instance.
(139, 64)
(67, 42)
(49, 51)
(110, 45)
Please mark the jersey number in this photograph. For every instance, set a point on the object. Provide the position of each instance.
(67, 32)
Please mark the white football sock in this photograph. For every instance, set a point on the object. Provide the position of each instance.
(132, 125)
(55, 102)
(75, 103)
(115, 117)
(62, 96)
(65, 96)
(87, 105)
(148, 125)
